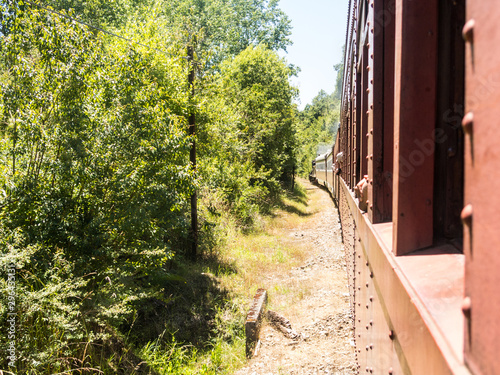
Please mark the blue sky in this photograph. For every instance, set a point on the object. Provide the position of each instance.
(318, 35)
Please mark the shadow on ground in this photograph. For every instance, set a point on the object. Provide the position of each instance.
(190, 309)
(299, 196)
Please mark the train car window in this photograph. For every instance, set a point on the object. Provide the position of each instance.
(383, 111)
(449, 149)
(428, 185)
(364, 110)
(357, 129)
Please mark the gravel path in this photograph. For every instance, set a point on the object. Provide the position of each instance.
(322, 316)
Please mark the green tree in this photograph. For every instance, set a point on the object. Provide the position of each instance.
(256, 84)
(94, 169)
(339, 68)
(225, 28)
(318, 124)
(94, 181)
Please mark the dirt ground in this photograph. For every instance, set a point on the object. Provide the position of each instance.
(320, 314)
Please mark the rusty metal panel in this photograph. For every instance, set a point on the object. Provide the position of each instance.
(400, 317)
(414, 120)
(481, 215)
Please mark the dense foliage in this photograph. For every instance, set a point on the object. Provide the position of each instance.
(94, 180)
(95, 176)
(317, 126)
(256, 87)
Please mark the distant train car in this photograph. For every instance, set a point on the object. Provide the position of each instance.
(419, 135)
(322, 172)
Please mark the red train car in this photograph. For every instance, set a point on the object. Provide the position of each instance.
(420, 119)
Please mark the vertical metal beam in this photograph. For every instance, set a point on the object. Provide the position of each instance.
(414, 122)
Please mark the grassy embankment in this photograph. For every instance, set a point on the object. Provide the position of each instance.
(211, 305)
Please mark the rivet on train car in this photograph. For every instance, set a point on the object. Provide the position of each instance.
(390, 371)
(371, 275)
(371, 56)
(367, 45)
(371, 130)
(367, 263)
(368, 68)
(466, 215)
(391, 335)
(368, 90)
(367, 113)
(367, 285)
(371, 30)
(367, 134)
(371, 322)
(468, 30)
(367, 326)
(466, 307)
(367, 306)
(371, 298)
(367, 348)
(467, 123)
(371, 346)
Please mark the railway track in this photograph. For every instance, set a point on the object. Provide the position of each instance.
(320, 313)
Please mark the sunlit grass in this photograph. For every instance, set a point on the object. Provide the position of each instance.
(246, 261)
(266, 255)
(175, 359)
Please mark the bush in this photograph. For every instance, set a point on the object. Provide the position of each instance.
(94, 185)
